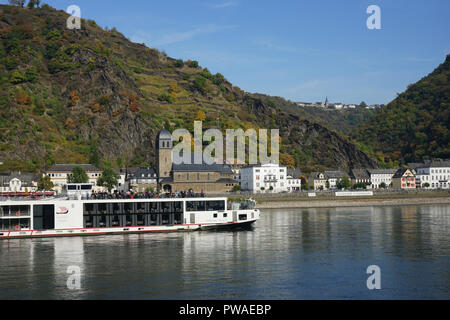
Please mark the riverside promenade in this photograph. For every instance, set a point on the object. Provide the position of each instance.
(329, 200)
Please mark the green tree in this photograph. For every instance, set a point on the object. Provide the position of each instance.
(78, 176)
(119, 162)
(193, 64)
(383, 185)
(360, 185)
(109, 179)
(17, 77)
(179, 63)
(200, 84)
(45, 184)
(344, 183)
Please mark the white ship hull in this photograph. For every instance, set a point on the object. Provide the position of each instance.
(74, 218)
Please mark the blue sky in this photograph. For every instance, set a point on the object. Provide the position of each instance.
(302, 50)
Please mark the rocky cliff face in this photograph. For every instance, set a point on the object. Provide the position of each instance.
(90, 95)
(323, 146)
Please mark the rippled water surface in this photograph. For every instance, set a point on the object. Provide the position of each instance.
(290, 254)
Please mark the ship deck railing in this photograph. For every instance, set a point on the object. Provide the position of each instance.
(106, 197)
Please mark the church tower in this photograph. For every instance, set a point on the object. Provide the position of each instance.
(164, 146)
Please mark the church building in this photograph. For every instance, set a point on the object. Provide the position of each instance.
(214, 178)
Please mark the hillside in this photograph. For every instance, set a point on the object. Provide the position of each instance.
(91, 95)
(415, 126)
(343, 121)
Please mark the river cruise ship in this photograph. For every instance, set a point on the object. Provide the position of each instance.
(77, 217)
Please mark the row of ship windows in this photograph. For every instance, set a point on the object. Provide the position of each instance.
(152, 207)
(132, 220)
(129, 208)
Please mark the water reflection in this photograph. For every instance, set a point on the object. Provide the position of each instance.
(291, 254)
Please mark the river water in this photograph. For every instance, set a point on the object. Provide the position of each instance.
(289, 254)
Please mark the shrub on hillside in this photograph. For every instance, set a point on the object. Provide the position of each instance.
(193, 64)
(179, 63)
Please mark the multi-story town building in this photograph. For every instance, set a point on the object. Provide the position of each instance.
(60, 172)
(433, 175)
(235, 164)
(198, 177)
(325, 180)
(378, 177)
(404, 179)
(360, 176)
(214, 178)
(144, 179)
(333, 177)
(294, 181)
(318, 181)
(266, 178)
(18, 183)
(125, 175)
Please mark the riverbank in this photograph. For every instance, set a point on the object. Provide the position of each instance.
(329, 202)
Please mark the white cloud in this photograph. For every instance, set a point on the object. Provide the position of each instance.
(308, 85)
(226, 4)
(269, 45)
(175, 37)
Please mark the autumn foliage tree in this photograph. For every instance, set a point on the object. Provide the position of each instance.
(70, 123)
(201, 116)
(73, 98)
(132, 103)
(22, 98)
(287, 160)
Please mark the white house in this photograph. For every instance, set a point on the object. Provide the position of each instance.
(380, 176)
(122, 183)
(17, 182)
(317, 180)
(294, 181)
(433, 175)
(59, 173)
(333, 177)
(143, 179)
(266, 178)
